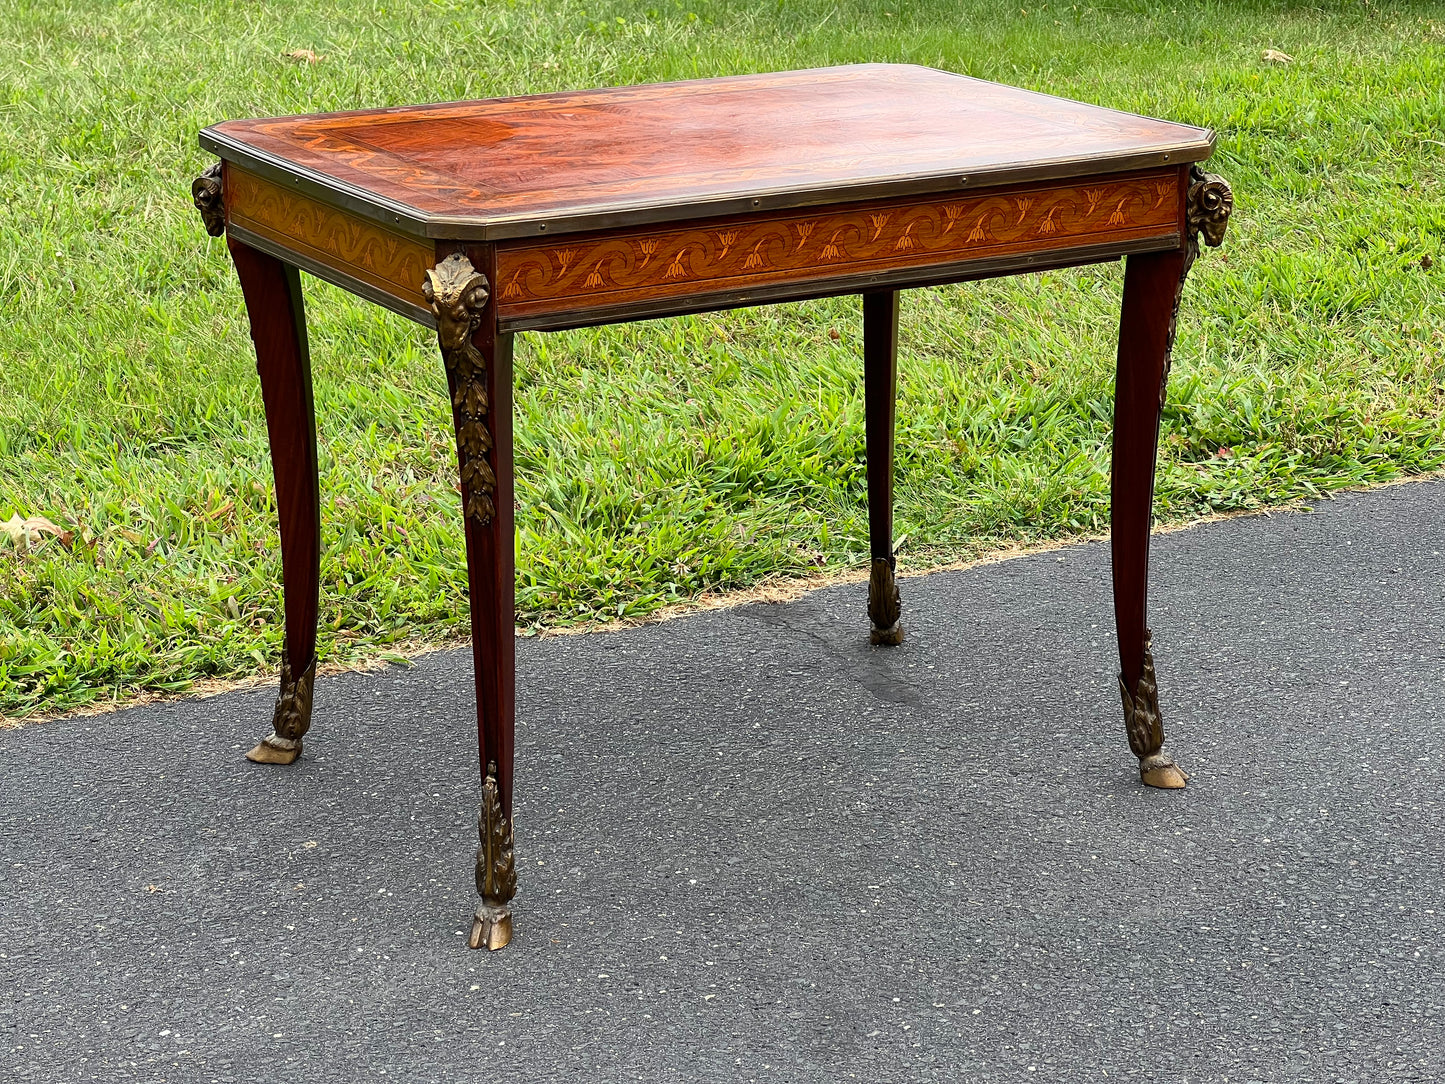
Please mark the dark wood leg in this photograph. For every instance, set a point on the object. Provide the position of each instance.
(278, 326)
(1151, 285)
(880, 393)
(479, 374)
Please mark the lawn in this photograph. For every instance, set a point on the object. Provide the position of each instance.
(661, 461)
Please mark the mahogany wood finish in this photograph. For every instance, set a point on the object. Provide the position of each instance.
(485, 218)
(880, 392)
(278, 327)
(491, 588)
(1149, 285)
(491, 564)
(556, 163)
(1151, 290)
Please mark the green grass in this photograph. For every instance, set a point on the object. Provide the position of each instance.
(661, 460)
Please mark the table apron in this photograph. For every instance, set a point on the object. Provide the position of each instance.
(937, 275)
(354, 253)
(629, 274)
(622, 275)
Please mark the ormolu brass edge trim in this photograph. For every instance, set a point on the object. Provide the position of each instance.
(789, 198)
(401, 217)
(408, 219)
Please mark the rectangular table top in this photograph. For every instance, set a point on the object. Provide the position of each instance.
(549, 164)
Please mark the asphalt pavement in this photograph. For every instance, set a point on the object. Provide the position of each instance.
(753, 848)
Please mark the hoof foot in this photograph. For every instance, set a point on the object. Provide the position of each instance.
(491, 928)
(892, 636)
(274, 750)
(1160, 771)
(883, 605)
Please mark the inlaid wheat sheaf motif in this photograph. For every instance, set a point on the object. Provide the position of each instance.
(778, 248)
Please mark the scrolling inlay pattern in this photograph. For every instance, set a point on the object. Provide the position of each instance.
(361, 249)
(457, 293)
(583, 273)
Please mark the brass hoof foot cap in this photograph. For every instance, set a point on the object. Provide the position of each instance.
(274, 750)
(890, 636)
(1161, 771)
(491, 928)
(884, 607)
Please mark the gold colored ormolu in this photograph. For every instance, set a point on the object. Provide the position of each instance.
(884, 606)
(292, 717)
(207, 196)
(496, 869)
(1145, 726)
(457, 293)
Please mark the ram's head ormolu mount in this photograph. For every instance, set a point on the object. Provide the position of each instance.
(457, 293)
(206, 194)
(1209, 204)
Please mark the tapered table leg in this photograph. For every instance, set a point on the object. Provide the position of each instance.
(1153, 286)
(479, 374)
(880, 391)
(278, 326)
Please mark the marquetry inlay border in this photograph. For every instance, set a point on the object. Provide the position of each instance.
(574, 274)
(387, 261)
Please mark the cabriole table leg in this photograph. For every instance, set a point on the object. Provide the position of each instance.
(1153, 287)
(880, 394)
(479, 374)
(278, 326)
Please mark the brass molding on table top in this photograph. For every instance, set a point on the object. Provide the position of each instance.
(496, 869)
(207, 196)
(576, 274)
(884, 606)
(457, 293)
(1145, 726)
(292, 717)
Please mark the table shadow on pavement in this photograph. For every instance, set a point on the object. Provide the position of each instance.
(751, 847)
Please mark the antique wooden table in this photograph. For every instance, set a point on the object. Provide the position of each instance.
(482, 219)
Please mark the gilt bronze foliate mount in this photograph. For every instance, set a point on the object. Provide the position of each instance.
(458, 293)
(496, 870)
(885, 609)
(292, 717)
(1145, 726)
